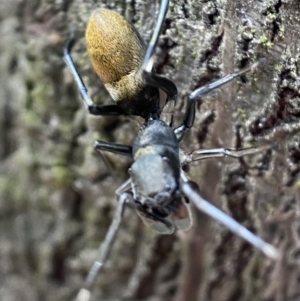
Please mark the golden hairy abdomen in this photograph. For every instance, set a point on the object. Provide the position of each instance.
(114, 47)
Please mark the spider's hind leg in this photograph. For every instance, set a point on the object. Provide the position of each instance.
(189, 116)
(93, 108)
(151, 78)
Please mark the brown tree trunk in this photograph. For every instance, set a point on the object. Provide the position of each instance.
(57, 195)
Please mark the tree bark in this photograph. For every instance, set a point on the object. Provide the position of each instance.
(57, 196)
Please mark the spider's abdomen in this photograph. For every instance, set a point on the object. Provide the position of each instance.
(116, 51)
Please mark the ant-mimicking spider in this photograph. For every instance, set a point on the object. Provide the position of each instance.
(158, 187)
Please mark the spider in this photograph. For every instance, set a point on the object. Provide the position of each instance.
(158, 187)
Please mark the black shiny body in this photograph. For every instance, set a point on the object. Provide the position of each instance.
(158, 133)
(155, 174)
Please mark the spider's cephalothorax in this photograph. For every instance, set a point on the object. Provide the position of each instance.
(155, 178)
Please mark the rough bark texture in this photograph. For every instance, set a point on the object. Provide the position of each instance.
(57, 195)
